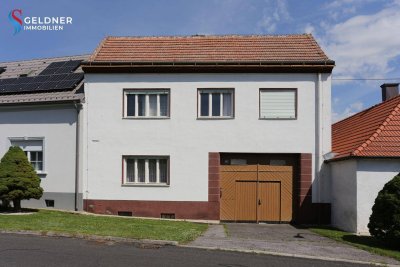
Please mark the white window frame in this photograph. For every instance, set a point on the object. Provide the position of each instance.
(16, 139)
(210, 91)
(147, 182)
(278, 90)
(147, 92)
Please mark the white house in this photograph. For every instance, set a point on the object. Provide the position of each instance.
(40, 102)
(208, 127)
(367, 153)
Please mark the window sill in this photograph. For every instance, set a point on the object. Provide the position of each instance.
(278, 119)
(215, 118)
(145, 185)
(145, 118)
(41, 173)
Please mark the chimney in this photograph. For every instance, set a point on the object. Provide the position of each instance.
(389, 90)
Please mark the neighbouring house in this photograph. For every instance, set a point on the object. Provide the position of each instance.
(366, 149)
(40, 102)
(208, 127)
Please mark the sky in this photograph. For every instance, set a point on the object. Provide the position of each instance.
(362, 36)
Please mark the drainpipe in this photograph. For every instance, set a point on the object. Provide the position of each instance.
(78, 108)
(318, 133)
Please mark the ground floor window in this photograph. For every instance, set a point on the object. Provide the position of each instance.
(146, 170)
(33, 148)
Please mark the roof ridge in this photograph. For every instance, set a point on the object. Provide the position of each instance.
(209, 35)
(365, 144)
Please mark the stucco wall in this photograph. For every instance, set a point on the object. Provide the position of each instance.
(344, 194)
(56, 124)
(183, 137)
(372, 175)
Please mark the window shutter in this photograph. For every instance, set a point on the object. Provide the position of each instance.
(28, 145)
(278, 104)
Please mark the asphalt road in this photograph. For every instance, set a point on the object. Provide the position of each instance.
(25, 250)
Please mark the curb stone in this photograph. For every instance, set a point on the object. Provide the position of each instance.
(292, 255)
(142, 243)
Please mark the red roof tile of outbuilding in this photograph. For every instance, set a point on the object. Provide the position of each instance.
(224, 48)
(374, 132)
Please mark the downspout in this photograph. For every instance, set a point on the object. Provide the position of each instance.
(78, 108)
(318, 133)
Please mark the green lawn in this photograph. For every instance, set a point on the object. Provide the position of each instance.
(367, 243)
(72, 223)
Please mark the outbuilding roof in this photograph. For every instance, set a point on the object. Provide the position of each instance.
(374, 132)
(32, 68)
(217, 50)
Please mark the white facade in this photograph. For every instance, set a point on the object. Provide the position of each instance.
(355, 186)
(55, 125)
(187, 140)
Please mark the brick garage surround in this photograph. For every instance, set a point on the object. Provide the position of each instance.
(306, 211)
(201, 210)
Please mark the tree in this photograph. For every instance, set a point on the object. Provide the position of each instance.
(18, 179)
(384, 222)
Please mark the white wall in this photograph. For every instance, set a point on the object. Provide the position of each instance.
(344, 194)
(372, 175)
(56, 124)
(185, 138)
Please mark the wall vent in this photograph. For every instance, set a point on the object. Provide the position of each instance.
(49, 203)
(125, 213)
(167, 215)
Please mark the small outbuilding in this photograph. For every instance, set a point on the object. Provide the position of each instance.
(366, 148)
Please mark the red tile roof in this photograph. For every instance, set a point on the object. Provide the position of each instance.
(217, 49)
(374, 132)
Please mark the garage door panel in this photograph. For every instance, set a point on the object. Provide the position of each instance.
(246, 200)
(269, 208)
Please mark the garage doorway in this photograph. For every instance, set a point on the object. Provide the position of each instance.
(256, 193)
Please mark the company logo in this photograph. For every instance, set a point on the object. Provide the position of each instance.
(15, 20)
(37, 23)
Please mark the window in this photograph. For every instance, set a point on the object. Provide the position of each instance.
(278, 103)
(33, 149)
(146, 170)
(215, 103)
(146, 103)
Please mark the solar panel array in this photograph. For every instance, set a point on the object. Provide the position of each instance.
(57, 76)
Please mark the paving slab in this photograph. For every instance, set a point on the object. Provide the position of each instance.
(283, 239)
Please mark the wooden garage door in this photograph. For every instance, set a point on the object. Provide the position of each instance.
(256, 193)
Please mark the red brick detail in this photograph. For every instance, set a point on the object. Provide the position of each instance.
(308, 212)
(214, 178)
(200, 210)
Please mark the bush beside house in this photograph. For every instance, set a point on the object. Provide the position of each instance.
(18, 179)
(385, 219)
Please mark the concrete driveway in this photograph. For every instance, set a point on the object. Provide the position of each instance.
(282, 239)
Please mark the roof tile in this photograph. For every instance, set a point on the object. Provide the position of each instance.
(374, 132)
(224, 48)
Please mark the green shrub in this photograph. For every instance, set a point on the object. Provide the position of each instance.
(384, 222)
(18, 179)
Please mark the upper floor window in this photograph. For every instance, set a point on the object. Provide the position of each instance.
(148, 103)
(215, 103)
(146, 170)
(33, 149)
(278, 103)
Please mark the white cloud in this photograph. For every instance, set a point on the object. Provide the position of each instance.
(274, 12)
(364, 45)
(348, 111)
(309, 28)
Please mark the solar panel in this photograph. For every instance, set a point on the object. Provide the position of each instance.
(57, 76)
(61, 67)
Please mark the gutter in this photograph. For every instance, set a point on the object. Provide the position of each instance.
(78, 107)
(359, 157)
